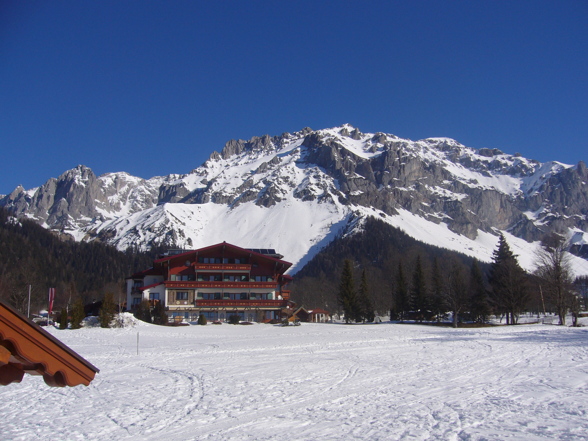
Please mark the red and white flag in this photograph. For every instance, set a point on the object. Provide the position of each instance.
(51, 299)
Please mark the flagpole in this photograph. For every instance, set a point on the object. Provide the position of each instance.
(51, 300)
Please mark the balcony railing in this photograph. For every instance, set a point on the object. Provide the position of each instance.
(222, 267)
(220, 284)
(241, 303)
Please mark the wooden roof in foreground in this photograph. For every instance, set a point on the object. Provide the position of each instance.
(27, 348)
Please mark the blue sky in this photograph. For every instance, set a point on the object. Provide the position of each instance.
(153, 87)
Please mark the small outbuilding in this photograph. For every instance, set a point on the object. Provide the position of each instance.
(316, 315)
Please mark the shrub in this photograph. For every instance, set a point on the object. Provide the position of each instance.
(234, 319)
(77, 314)
(143, 312)
(159, 315)
(63, 319)
(106, 314)
(202, 319)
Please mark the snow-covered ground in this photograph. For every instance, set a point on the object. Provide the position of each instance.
(313, 382)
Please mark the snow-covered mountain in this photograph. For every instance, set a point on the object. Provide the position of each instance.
(296, 192)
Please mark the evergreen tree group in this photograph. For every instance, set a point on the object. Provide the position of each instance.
(356, 305)
(417, 282)
(34, 258)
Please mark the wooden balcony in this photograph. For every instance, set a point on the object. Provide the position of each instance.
(222, 267)
(228, 304)
(221, 285)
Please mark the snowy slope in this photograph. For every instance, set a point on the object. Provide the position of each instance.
(482, 247)
(315, 381)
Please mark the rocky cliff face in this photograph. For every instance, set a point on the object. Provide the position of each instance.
(439, 180)
(78, 198)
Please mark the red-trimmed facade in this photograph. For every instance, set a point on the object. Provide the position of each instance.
(217, 281)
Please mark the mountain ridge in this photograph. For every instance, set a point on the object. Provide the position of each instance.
(297, 191)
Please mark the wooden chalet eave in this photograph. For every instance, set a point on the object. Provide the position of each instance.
(27, 348)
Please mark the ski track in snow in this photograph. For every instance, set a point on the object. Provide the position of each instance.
(315, 381)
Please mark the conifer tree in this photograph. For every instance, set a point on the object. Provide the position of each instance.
(347, 297)
(367, 308)
(510, 292)
(77, 314)
(479, 300)
(106, 314)
(419, 295)
(401, 298)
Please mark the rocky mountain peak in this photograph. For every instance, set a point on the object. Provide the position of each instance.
(331, 175)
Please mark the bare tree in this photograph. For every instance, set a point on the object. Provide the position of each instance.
(456, 291)
(555, 274)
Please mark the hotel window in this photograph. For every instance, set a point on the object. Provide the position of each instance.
(181, 295)
(137, 300)
(210, 315)
(153, 296)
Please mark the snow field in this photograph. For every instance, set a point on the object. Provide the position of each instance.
(315, 381)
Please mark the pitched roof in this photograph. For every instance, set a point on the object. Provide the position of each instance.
(27, 348)
(143, 288)
(147, 272)
(318, 311)
(234, 247)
